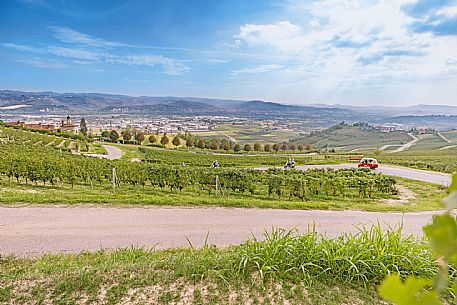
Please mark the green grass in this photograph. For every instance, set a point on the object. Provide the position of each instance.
(436, 160)
(284, 268)
(428, 197)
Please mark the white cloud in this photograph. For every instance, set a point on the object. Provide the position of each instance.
(170, 66)
(44, 64)
(257, 70)
(75, 53)
(23, 48)
(349, 45)
(68, 35)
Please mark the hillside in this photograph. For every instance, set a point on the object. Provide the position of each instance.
(348, 137)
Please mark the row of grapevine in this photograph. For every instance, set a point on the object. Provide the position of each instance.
(47, 165)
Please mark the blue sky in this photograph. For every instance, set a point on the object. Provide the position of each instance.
(398, 52)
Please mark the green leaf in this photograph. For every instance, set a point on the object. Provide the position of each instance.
(411, 292)
(440, 280)
(454, 288)
(442, 235)
(453, 186)
(450, 202)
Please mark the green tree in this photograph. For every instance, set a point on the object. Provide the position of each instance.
(189, 142)
(152, 139)
(105, 134)
(214, 145)
(301, 147)
(176, 141)
(83, 127)
(267, 147)
(284, 147)
(164, 140)
(113, 135)
(276, 147)
(293, 147)
(127, 134)
(247, 147)
(139, 137)
(237, 147)
(309, 147)
(201, 144)
(257, 147)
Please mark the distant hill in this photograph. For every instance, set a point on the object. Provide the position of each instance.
(416, 110)
(436, 121)
(309, 116)
(347, 137)
(96, 103)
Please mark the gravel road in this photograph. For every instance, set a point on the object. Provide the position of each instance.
(32, 231)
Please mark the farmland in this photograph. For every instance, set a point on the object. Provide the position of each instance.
(347, 137)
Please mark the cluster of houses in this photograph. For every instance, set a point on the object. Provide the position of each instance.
(65, 125)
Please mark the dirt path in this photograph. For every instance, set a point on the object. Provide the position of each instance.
(38, 230)
(444, 138)
(407, 145)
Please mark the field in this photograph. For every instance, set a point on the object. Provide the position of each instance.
(347, 138)
(61, 141)
(436, 160)
(285, 268)
(254, 132)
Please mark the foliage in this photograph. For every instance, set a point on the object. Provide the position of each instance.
(113, 135)
(442, 236)
(83, 127)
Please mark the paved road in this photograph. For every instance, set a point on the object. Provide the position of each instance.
(36, 230)
(404, 172)
(113, 153)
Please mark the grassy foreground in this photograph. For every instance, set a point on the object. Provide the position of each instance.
(423, 196)
(284, 268)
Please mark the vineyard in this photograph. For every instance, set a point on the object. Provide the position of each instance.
(436, 160)
(61, 141)
(204, 159)
(47, 166)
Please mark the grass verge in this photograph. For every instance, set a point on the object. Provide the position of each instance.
(426, 197)
(283, 268)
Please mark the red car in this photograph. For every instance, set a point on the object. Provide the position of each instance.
(369, 162)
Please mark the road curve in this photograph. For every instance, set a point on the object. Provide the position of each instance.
(32, 231)
(113, 153)
(403, 172)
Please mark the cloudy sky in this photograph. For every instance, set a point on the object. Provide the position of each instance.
(398, 52)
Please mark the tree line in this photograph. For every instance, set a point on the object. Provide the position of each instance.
(133, 136)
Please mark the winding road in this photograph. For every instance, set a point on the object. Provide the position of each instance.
(32, 231)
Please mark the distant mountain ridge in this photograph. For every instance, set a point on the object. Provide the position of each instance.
(317, 115)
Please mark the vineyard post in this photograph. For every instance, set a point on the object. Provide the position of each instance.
(217, 183)
(114, 179)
